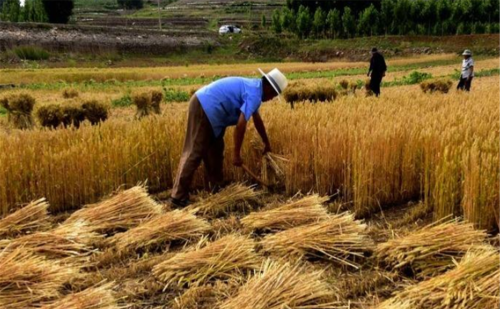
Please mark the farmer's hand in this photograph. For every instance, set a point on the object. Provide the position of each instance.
(368, 74)
(237, 161)
(383, 74)
(267, 148)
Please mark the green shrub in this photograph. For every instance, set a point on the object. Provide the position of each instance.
(416, 77)
(31, 53)
(124, 101)
(175, 95)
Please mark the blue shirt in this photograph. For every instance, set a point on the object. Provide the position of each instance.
(224, 100)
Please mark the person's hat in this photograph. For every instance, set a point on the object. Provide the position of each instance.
(374, 50)
(467, 52)
(277, 80)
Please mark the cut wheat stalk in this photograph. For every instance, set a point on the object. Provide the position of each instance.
(124, 210)
(337, 238)
(173, 225)
(294, 213)
(27, 279)
(282, 285)
(431, 249)
(205, 296)
(72, 242)
(222, 259)
(98, 297)
(27, 219)
(234, 197)
(273, 168)
(472, 284)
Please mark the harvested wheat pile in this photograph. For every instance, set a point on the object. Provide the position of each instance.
(27, 219)
(100, 297)
(95, 111)
(293, 213)
(27, 279)
(142, 101)
(70, 93)
(368, 88)
(232, 198)
(72, 242)
(205, 296)
(431, 249)
(436, 85)
(124, 210)
(472, 284)
(299, 92)
(280, 286)
(19, 108)
(223, 259)
(72, 115)
(173, 225)
(337, 238)
(49, 115)
(156, 98)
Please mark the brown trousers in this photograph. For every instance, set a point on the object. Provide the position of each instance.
(200, 144)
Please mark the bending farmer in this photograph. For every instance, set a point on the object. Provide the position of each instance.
(227, 102)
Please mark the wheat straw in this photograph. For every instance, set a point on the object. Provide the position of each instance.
(27, 219)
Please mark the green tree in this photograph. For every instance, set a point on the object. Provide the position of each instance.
(304, 22)
(368, 21)
(11, 10)
(34, 11)
(386, 16)
(402, 16)
(443, 13)
(334, 23)
(319, 22)
(263, 21)
(288, 20)
(58, 11)
(348, 23)
(131, 4)
(276, 21)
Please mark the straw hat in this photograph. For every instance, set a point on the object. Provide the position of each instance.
(277, 80)
(467, 52)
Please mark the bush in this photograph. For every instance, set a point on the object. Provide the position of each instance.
(124, 101)
(415, 77)
(19, 110)
(31, 53)
(436, 85)
(95, 111)
(175, 95)
(70, 93)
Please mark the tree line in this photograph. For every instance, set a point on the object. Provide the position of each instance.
(332, 19)
(53, 11)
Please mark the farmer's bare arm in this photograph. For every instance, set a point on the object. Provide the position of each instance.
(239, 135)
(261, 129)
(471, 72)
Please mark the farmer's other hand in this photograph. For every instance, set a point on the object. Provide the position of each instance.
(237, 161)
(368, 74)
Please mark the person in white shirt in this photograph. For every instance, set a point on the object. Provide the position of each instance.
(467, 71)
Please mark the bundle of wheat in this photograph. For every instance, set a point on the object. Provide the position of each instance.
(95, 111)
(472, 284)
(73, 242)
(221, 259)
(318, 93)
(368, 88)
(124, 210)
(205, 296)
(173, 225)
(49, 115)
(431, 249)
(27, 279)
(283, 286)
(273, 168)
(72, 115)
(352, 286)
(337, 238)
(99, 297)
(156, 98)
(70, 93)
(439, 85)
(27, 219)
(293, 213)
(234, 197)
(143, 103)
(19, 108)
(344, 84)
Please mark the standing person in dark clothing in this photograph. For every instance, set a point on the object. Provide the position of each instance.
(467, 71)
(376, 71)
